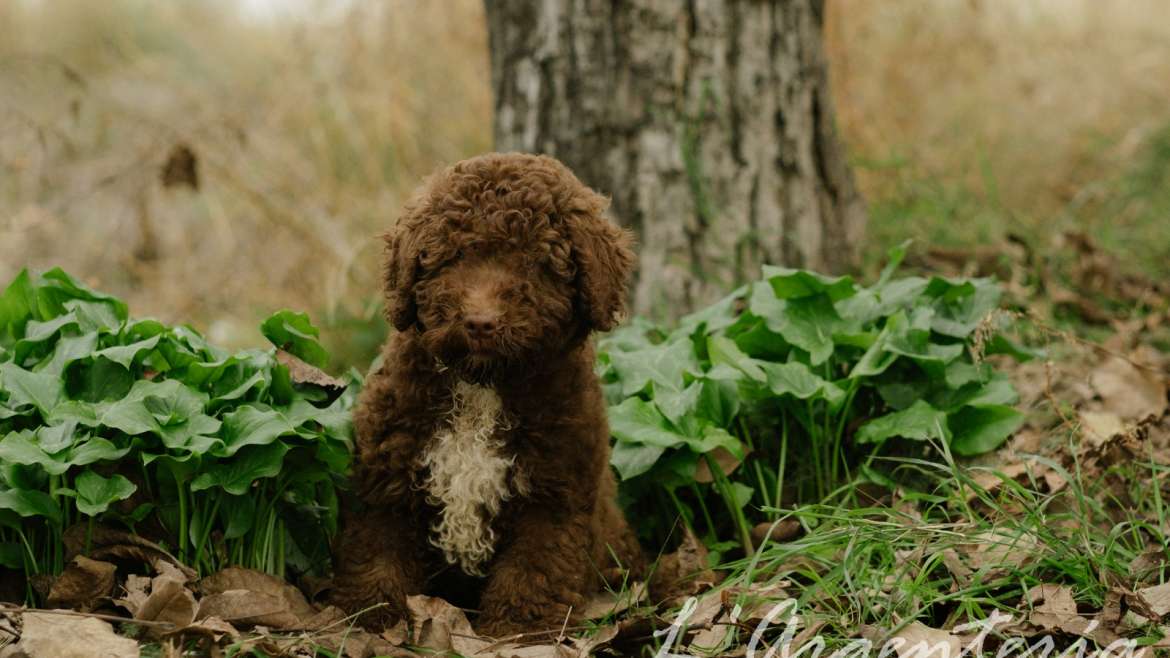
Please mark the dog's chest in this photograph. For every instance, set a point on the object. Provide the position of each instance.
(468, 476)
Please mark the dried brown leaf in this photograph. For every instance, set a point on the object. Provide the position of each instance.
(998, 549)
(109, 544)
(724, 459)
(682, 573)
(252, 598)
(212, 627)
(1152, 602)
(1054, 610)
(605, 604)
(440, 626)
(916, 639)
(303, 373)
(1100, 426)
(169, 600)
(249, 608)
(83, 584)
(775, 532)
(72, 636)
(1129, 392)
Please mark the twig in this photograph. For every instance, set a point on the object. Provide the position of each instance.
(520, 637)
(11, 609)
(564, 625)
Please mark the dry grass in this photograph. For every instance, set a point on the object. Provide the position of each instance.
(1030, 107)
(310, 132)
(308, 135)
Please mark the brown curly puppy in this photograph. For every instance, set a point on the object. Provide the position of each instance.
(482, 461)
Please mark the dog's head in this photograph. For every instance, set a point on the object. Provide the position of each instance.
(503, 259)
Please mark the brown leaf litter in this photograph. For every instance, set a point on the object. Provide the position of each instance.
(47, 633)
(252, 610)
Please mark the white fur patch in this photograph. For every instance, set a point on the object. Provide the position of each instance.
(468, 477)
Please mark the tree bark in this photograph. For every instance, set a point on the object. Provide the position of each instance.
(708, 122)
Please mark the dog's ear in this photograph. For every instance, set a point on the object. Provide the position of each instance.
(604, 256)
(401, 273)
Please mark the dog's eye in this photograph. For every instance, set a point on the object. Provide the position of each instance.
(458, 254)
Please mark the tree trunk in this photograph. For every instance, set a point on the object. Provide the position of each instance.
(707, 121)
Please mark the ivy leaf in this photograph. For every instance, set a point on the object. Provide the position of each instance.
(30, 503)
(95, 493)
(17, 304)
(960, 305)
(294, 333)
(788, 283)
(40, 336)
(679, 407)
(41, 390)
(721, 349)
(55, 438)
(715, 317)
(97, 379)
(637, 421)
(660, 365)
(125, 355)
(236, 476)
(68, 350)
(797, 380)
(59, 293)
(634, 459)
(920, 421)
(23, 448)
(239, 513)
(982, 428)
(719, 401)
(808, 323)
(252, 425)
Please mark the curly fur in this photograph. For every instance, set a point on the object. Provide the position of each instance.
(467, 477)
(482, 467)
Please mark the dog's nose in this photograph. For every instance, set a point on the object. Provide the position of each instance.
(480, 325)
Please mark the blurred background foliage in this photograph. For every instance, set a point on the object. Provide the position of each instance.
(212, 161)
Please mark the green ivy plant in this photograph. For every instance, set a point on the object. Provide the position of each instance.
(221, 458)
(788, 389)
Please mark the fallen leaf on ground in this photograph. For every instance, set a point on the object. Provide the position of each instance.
(916, 639)
(72, 636)
(83, 584)
(1152, 602)
(440, 626)
(1128, 391)
(683, 573)
(1148, 565)
(107, 543)
(998, 550)
(1052, 609)
(212, 627)
(587, 646)
(164, 598)
(605, 604)
(784, 530)
(737, 606)
(1100, 426)
(1052, 606)
(251, 598)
